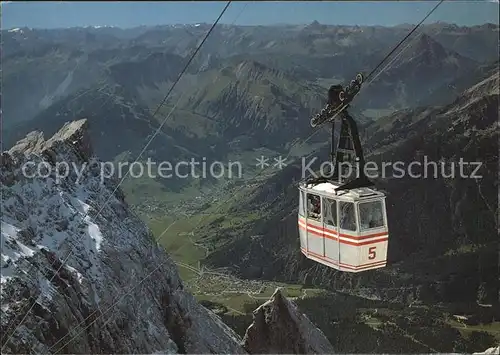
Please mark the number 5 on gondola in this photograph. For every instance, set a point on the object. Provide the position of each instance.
(346, 231)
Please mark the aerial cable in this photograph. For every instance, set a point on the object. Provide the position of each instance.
(159, 128)
(345, 105)
(165, 100)
(143, 150)
(171, 111)
(194, 228)
(404, 39)
(149, 142)
(184, 70)
(33, 304)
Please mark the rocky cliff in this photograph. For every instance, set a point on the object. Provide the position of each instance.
(80, 272)
(279, 327)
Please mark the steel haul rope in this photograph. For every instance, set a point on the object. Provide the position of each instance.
(164, 121)
(66, 258)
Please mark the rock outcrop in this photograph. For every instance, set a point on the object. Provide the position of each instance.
(80, 272)
(279, 327)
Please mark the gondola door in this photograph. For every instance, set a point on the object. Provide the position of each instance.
(330, 231)
(314, 226)
(304, 242)
(348, 236)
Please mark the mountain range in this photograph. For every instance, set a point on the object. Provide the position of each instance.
(250, 93)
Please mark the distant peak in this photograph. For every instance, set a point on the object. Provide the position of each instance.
(248, 68)
(425, 38)
(428, 46)
(426, 42)
(249, 63)
(314, 24)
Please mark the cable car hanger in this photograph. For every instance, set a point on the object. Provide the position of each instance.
(349, 144)
(342, 222)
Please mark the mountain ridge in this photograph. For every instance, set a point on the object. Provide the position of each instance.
(69, 244)
(96, 49)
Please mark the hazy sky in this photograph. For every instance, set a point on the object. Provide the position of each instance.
(130, 14)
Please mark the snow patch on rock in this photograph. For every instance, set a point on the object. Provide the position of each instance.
(82, 281)
(490, 351)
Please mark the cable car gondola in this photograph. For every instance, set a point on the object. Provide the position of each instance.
(343, 221)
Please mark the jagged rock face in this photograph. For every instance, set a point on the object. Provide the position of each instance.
(78, 281)
(279, 327)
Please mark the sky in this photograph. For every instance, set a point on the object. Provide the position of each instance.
(60, 14)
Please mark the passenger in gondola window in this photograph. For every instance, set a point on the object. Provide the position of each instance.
(347, 217)
(330, 212)
(370, 214)
(314, 206)
(378, 219)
